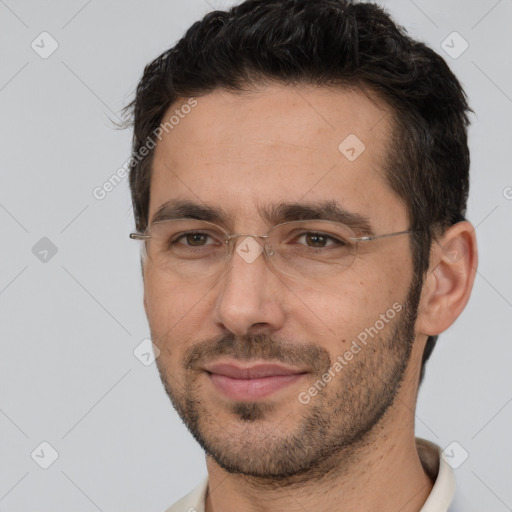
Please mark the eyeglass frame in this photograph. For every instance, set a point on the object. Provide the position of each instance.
(229, 236)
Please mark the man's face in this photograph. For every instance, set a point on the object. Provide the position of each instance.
(242, 154)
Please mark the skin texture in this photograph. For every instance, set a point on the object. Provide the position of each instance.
(355, 438)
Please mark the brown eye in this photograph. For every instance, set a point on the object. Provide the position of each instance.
(316, 239)
(195, 239)
(319, 240)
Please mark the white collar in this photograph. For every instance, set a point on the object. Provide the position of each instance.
(431, 458)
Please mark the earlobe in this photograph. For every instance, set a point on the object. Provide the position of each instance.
(449, 282)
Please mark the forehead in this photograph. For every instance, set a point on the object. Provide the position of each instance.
(279, 143)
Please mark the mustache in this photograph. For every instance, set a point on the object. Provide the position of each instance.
(257, 346)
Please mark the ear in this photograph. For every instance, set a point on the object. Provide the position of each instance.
(449, 281)
(145, 302)
(143, 269)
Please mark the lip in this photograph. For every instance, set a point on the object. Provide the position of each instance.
(250, 383)
(255, 371)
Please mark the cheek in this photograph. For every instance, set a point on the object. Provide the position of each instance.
(337, 314)
(177, 313)
(168, 305)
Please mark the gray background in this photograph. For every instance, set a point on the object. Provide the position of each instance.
(70, 321)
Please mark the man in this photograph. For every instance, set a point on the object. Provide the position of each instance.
(299, 181)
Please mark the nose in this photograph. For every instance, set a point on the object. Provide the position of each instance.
(250, 296)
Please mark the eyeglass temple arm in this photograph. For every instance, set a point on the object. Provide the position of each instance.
(386, 235)
(139, 236)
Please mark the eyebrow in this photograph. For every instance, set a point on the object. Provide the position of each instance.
(276, 213)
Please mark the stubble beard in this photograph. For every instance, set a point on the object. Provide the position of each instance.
(325, 433)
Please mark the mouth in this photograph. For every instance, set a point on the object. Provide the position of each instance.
(250, 383)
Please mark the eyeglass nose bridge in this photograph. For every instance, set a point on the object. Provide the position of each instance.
(267, 248)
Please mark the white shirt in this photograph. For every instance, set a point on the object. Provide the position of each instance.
(439, 499)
